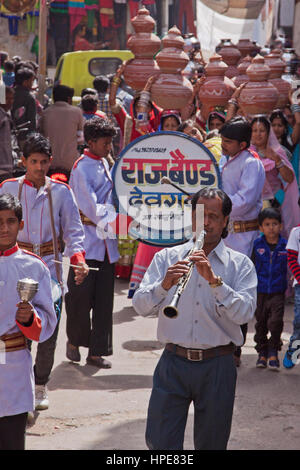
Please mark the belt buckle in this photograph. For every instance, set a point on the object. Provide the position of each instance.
(36, 247)
(198, 352)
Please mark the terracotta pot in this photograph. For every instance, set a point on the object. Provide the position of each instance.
(242, 77)
(259, 96)
(138, 71)
(172, 89)
(231, 56)
(143, 22)
(220, 45)
(217, 89)
(246, 47)
(277, 66)
(144, 45)
(277, 52)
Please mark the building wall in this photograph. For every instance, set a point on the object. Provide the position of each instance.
(19, 44)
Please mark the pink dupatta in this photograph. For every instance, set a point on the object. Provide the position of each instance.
(290, 209)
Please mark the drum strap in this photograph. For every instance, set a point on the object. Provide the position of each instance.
(54, 236)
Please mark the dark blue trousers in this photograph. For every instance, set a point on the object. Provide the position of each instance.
(209, 384)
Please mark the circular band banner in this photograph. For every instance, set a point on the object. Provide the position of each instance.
(161, 213)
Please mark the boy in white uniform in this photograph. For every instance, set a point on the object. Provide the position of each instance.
(35, 320)
(92, 185)
(50, 213)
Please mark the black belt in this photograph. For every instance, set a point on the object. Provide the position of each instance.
(200, 354)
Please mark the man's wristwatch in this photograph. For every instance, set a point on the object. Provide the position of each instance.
(218, 282)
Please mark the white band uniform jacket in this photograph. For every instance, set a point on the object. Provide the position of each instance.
(16, 372)
(208, 317)
(37, 222)
(92, 185)
(243, 178)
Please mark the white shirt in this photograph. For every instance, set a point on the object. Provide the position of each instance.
(92, 185)
(16, 372)
(208, 317)
(243, 178)
(37, 222)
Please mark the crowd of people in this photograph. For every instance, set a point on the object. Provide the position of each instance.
(249, 264)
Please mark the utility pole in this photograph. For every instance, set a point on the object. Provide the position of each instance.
(164, 17)
(42, 50)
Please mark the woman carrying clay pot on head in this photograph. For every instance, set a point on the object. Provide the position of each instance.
(287, 135)
(170, 120)
(144, 116)
(233, 104)
(280, 188)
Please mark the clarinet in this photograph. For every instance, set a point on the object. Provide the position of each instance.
(171, 310)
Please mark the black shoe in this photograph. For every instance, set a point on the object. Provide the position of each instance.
(72, 353)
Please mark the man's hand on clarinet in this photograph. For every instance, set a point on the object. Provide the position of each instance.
(174, 273)
(203, 266)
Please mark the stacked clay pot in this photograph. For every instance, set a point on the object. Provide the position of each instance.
(242, 77)
(220, 45)
(172, 90)
(144, 45)
(277, 66)
(217, 88)
(258, 96)
(246, 47)
(231, 56)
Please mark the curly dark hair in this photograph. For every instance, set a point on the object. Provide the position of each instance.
(96, 128)
(36, 143)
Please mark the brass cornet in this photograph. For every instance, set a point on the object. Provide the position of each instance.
(170, 310)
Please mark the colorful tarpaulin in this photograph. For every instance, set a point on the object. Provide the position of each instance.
(77, 11)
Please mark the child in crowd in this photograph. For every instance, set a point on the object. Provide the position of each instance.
(291, 355)
(92, 185)
(19, 321)
(9, 73)
(270, 259)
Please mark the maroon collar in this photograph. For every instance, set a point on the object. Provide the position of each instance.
(29, 183)
(10, 251)
(91, 155)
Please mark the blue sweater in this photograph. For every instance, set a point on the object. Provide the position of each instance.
(271, 266)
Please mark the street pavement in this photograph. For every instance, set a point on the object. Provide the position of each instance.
(105, 409)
